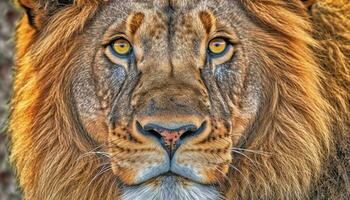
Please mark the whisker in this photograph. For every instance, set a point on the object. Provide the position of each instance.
(253, 151)
(224, 176)
(95, 152)
(250, 159)
(240, 172)
(105, 168)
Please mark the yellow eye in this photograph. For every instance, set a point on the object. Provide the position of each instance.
(217, 46)
(121, 47)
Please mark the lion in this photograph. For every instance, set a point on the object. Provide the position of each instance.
(177, 99)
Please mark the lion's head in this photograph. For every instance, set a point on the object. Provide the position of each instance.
(167, 100)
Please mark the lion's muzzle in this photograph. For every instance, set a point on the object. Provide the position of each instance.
(171, 135)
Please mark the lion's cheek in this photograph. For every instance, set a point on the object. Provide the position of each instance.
(204, 167)
(97, 128)
(133, 166)
(127, 175)
(216, 175)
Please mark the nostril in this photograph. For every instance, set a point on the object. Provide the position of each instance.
(154, 133)
(148, 131)
(186, 134)
(193, 132)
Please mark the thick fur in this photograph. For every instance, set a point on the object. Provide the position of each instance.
(305, 120)
(331, 22)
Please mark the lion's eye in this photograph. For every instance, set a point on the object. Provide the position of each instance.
(121, 47)
(119, 51)
(221, 50)
(217, 46)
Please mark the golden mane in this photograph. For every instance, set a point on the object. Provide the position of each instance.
(40, 118)
(305, 118)
(316, 91)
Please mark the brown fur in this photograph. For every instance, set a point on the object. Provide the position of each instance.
(306, 120)
(333, 107)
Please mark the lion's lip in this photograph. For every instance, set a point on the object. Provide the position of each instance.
(168, 177)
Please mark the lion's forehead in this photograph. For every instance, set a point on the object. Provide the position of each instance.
(171, 16)
(176, 5)
(177, 36)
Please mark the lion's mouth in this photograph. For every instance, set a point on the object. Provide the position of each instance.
(170, 186)
(167, 178)
(170, 178)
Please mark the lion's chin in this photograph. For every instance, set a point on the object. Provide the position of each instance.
(170, 187)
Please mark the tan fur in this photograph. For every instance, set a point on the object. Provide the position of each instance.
(303, 135)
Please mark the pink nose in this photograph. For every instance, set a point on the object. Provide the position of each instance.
(170, 137)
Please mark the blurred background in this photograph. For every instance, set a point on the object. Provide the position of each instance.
(8, 18)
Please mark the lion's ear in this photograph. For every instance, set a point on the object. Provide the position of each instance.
(39, 11)
(308, 3)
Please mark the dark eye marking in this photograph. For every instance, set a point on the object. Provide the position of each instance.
(135, 22)
(207, 20)
(30, 14)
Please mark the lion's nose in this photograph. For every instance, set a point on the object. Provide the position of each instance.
(171, 135)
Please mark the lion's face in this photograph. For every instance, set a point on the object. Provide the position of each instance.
(167, 90)
(169, 99)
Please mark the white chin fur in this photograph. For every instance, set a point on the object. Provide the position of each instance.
(170, 188)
